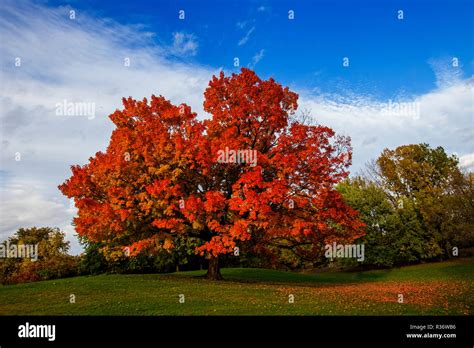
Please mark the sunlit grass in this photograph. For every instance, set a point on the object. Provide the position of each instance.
(429, 289)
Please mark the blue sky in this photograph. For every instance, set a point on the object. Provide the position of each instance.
(388, 56)
(400, 86)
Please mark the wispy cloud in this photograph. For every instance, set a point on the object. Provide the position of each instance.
(246, 38)
(241, 25)
(256, 58)
(184, 44)
(448, 71)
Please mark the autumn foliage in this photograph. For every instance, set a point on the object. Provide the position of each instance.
(160, 178)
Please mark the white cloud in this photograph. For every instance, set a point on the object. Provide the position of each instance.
(24, 204)
(184, 44)
(442, 117)
(78, 60)
(467, 161)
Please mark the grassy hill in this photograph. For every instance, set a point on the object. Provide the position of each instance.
(428, 289)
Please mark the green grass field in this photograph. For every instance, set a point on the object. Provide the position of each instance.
(428, 289)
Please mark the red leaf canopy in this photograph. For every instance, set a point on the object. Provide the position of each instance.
(161, 175)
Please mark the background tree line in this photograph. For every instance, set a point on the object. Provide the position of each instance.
(415, 201)
(417, 205)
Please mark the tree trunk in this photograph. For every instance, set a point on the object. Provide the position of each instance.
(213, 271)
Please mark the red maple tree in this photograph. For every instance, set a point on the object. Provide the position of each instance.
(248, 170)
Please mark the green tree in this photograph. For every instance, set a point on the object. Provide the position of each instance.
(99, 258)
(416, 170)
(383, 224)
(51, 241)
(51, 261)
(428, 186)
(457, 225)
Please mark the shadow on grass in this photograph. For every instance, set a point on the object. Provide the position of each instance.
(456, 269)
(267, 276)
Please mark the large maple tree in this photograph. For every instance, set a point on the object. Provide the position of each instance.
(162, 174)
